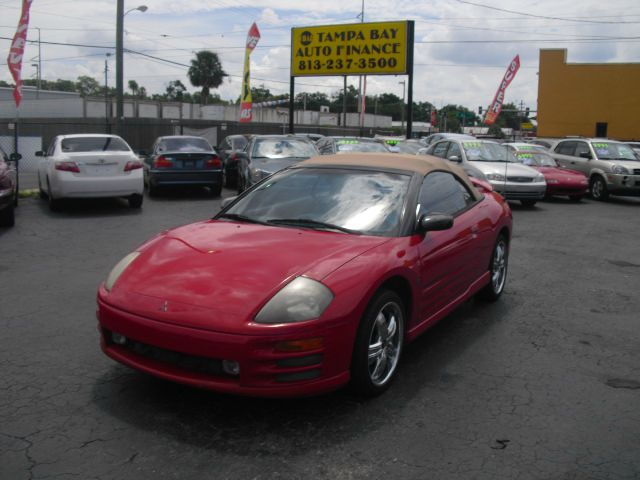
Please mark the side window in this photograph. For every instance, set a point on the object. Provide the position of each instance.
(326, 147)
(225, 144)
(565, 148)
(442, 192)
(440, 149)
(52, 147)
(581, 147)
(454, 151)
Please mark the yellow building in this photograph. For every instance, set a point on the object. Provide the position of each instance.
(587, 99)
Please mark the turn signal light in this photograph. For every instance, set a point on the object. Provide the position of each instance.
(214, 162)
(162, 162)
(134, 165)
(68, 167)
(300, 345)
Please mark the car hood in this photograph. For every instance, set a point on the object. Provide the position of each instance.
(216, 275)
(560, 173)
(499, 167)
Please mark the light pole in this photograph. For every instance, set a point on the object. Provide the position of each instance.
(106, 93)
(403, 83)
(120, 13)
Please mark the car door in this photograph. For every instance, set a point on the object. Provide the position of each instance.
(563, 152)
(45, 161)
(449, 259)
(582, 158)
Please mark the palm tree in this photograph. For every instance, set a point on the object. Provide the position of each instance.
(133, 86)
(206, 72)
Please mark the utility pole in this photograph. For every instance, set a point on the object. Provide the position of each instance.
(403, 83)
(106, 93)
(119, 64)
(39, 64)
(361, 99)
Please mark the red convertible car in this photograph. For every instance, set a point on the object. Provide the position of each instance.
(560, 181)
(314, 278)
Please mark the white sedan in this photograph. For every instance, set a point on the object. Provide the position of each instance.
(90, 166)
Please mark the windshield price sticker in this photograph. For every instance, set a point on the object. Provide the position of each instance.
(472, 144)
(600, 145)
(354, 49)
(525, 155)
(347, 142)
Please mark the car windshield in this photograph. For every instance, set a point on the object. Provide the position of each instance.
(94, 144)
(613, 151)
(283, 148)
(487, 152)
(405, 147)
(536, 159)
(359, 145)
(354, 201)
(185, 144)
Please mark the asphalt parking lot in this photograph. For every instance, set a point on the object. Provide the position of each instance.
(544, 384)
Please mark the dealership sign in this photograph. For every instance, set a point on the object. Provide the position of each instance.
(498, 100)
(378, 48)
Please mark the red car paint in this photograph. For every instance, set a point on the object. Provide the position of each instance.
(562, 181)
(196, 290)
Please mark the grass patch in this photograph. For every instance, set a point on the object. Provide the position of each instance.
(29, 193)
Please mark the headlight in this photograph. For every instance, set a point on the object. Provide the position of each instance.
(619, 169)
(495, 177)
(302, 299)
(551, 180)
(120, 267)
(539, 178)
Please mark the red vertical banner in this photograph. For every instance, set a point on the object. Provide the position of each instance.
(434, 117)
(498, 100)
(16, 52)
(246, 102)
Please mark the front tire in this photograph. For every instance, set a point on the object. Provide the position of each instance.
(135, 201)
(598, 189)
(498, 270)
(378, 344)
(7, 216)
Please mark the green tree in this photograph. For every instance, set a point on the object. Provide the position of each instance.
(134, 87)
(206, 72)
(311, 101)
(352, 100)
(175, 91)
(88, 86)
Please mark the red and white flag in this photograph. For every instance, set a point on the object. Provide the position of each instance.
(498, 100)
(246, 103)
(16, 52)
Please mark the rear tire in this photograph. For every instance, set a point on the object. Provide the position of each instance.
(54, 203)
(498, 270)
(7, 216)
(135, 201)
(378, 346)
(598, 189)
(528, 203)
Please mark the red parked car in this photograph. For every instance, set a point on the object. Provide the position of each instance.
(560, 181)
(314, 278)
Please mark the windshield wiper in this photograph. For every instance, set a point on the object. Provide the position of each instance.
(307, 222)
(242, 218)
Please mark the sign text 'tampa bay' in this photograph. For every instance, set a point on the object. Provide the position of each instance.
(378, 48)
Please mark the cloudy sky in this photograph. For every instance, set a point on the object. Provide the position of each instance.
(461, 52)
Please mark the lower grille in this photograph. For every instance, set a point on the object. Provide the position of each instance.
(636, 171)
(191, 363)
(520, 179)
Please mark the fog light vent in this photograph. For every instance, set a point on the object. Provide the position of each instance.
(231, 367)
(118, 338)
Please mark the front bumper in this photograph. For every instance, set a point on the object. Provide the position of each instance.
(627, 185)
(520, 191)
(202, 178)
(7, 197)
(194, 356)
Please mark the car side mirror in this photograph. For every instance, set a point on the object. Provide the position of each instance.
(586, 155)
(14, 157)
(454, 158)
(40, 153)
(227, 201)
(436, 221)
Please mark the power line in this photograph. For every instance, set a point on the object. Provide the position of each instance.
(546, 17)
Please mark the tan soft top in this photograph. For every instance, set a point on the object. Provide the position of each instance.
(421, 164)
